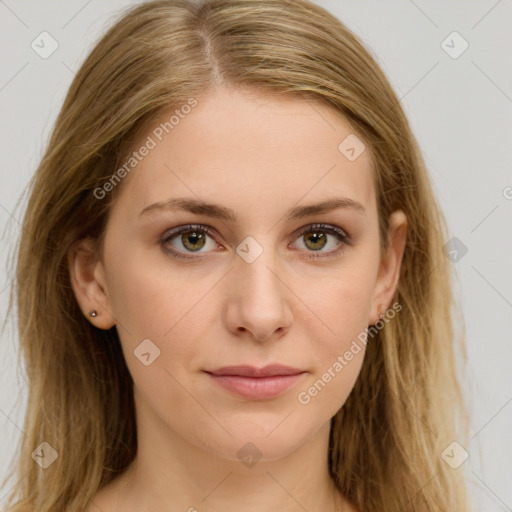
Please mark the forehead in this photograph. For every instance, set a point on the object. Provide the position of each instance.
(242, 148)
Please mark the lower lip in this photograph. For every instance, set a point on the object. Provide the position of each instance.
(257, 388)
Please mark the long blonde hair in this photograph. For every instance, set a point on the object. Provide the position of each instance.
(386, 441)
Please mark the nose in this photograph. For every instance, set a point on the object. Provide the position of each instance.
(258, 298)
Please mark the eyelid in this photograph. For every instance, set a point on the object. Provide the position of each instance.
(188, 227)
(324, 227)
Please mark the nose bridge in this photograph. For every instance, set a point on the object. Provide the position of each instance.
(256, 268)
(260, 300)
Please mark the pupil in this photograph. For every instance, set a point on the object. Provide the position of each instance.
(190, 241)
(317, 237)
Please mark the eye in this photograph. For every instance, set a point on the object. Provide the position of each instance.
(191, 239)
(199, 239)
(315, 237)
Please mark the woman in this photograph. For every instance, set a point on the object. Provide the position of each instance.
(304, 358)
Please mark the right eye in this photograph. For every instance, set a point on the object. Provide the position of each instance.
(188, 239)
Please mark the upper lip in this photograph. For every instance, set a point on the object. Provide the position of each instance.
(272, 370)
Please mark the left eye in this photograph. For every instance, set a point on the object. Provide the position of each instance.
(314, 238)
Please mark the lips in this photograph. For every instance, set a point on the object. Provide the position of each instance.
(273, 370)
(257, 383)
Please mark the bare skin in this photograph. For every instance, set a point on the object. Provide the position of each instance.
(260, 157)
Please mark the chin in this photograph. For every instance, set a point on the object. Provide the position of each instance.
(257, 442)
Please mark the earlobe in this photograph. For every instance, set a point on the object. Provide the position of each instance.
(88, 283)
(389, 268)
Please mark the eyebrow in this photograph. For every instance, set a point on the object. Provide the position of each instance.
(200, 207)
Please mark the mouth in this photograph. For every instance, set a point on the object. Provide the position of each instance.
(256, 383)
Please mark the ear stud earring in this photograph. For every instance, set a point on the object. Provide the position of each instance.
(93, 313)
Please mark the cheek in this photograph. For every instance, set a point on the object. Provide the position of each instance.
(339, 359)
(171, 309)
(157, 318)
(339, 307)
(336, 320)
(146, 298)
(339, 350)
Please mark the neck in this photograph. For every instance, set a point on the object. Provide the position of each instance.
(171, 474)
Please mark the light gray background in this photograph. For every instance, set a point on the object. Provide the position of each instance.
(460, 110)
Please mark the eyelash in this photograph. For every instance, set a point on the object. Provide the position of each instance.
(340, 234)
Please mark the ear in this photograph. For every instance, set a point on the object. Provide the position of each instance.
(87, 277)
(389, 268)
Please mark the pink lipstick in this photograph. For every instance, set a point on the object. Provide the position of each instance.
(257, 383)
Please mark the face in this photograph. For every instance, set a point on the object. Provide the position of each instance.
(255, 276)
